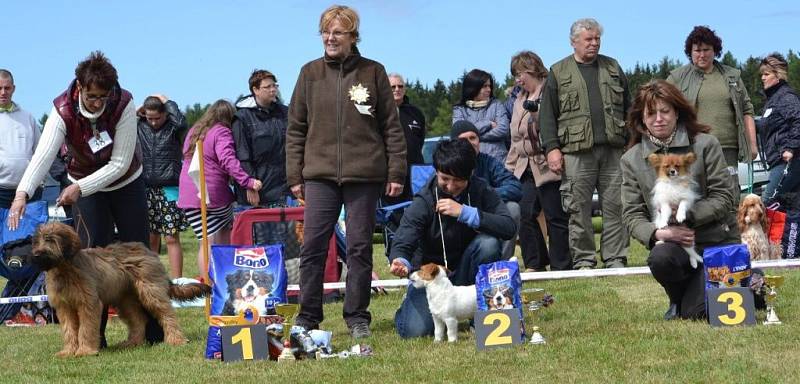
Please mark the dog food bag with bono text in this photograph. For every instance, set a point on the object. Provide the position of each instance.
(247, 283)
(247, 277)
(498, 285)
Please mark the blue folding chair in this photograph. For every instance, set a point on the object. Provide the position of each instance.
(388, 217)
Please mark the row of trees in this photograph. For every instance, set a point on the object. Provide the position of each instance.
(437, 102)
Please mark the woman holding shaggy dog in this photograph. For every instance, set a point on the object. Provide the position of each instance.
(662, 121)
(94, 121)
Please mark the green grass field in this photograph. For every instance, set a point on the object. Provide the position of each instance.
(601, 330)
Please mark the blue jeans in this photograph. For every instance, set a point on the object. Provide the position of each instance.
(413, 318)
(791, 183)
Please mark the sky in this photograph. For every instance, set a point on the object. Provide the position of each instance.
(200, 51)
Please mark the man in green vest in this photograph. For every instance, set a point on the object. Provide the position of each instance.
(582, 119)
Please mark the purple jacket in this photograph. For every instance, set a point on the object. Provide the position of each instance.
(219, 158)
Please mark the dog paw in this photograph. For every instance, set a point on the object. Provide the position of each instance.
(661, 223)
(65, 353)
(130, 343)
(86, 352)
(175, 340)
(694, 259)
(453, 340)
(680, 216)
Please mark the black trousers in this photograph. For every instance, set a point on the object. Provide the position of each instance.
(95, 218)
(670, 266)
(324, 200)
(535, 252)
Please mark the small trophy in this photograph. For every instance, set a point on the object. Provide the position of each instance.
(287, 311)
(534, 297)
(773, 282)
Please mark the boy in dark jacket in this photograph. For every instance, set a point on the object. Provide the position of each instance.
(459, 207)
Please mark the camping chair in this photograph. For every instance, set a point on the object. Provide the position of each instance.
(389, 216)
(280, 226)
(24, 278)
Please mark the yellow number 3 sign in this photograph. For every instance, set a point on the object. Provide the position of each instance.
(496, 329)
(731, 306)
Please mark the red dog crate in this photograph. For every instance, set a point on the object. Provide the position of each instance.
(242, 234)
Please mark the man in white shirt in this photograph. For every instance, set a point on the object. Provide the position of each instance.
(19, 135)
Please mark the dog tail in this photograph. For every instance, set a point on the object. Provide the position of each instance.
(188, 292)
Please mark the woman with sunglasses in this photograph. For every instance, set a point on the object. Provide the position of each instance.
(94, 122)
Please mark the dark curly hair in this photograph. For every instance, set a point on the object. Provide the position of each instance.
(96, 70)
(702, 34)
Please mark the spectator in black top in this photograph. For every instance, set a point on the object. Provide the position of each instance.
(161, 129)
(413, 121)
(259, 133)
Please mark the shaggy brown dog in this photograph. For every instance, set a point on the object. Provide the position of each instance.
(128, 276)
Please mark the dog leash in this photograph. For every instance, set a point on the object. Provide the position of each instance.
(441, 227)
(80, 222)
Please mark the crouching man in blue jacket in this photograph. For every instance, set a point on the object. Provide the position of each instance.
(457, 220)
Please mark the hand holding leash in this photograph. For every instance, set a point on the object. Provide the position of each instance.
(69, 195)
(397, 268)
(448, 207)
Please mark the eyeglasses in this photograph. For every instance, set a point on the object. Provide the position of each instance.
(399, 86)
(93, 98)
(336, 34)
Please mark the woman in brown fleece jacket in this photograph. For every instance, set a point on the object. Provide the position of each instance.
(343, 143)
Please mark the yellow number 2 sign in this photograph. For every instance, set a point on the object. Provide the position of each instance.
(730, 307)
(497, 329)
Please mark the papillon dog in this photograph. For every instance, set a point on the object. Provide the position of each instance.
(674, 187)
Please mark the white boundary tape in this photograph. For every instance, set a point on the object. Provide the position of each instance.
(526, 276)
(557, 275)
(23, 299)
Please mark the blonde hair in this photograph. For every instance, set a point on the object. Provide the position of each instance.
(346, 15)
(527, 61)
(776, 64)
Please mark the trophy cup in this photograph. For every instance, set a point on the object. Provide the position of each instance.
(773, 282)
(287, 311)
(534, 298)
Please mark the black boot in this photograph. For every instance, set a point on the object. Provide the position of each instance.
(103, 322)
(673, 312)
(153, 332)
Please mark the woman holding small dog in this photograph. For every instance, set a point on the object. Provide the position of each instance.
(662, 121)
(780, 128)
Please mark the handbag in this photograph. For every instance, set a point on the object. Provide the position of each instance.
(541, 172)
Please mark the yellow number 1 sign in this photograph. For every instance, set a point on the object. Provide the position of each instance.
(248, 342)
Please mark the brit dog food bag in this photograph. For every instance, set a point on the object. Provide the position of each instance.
(727, 266)
(498, 285)
(248, 281)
